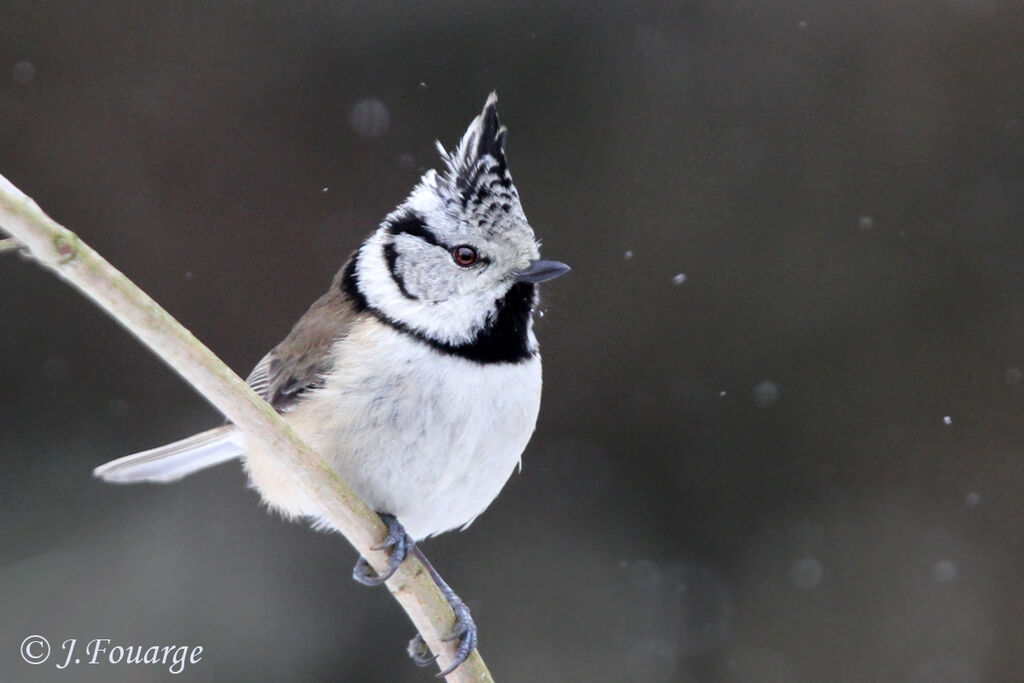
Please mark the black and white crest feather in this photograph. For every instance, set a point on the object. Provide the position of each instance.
(477, 181)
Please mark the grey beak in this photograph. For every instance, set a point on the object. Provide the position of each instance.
(539, 271)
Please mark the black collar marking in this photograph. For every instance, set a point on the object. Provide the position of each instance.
(504, 340)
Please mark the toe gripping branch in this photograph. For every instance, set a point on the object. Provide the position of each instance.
(401, 545)
(465, 631)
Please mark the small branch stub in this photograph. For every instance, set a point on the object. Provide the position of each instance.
(9, 244)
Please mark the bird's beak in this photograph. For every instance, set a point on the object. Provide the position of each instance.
(539, 271)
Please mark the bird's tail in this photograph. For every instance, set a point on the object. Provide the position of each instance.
(175, 460)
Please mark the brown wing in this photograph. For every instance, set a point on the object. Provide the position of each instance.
(299, 363)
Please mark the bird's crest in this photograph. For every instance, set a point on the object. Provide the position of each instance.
(477, 179)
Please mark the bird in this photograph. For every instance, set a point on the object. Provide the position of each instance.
(417, 376)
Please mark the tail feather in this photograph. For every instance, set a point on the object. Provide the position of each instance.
(174, 460)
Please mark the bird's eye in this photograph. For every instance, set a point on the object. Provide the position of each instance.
(464, 255)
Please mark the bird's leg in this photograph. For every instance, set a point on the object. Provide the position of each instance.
(400, 544)
(465, 628)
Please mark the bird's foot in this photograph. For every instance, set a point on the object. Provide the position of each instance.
(400, 544)
(465, 631)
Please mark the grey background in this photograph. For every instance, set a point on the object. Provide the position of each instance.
(744, 477)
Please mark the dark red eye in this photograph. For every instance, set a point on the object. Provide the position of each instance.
(464, 255)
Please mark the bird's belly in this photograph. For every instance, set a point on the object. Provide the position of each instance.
(428, 437)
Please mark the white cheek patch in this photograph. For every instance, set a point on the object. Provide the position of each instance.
(426, 270)
(452, 321)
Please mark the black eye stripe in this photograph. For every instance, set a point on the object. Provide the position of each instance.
(414, 225)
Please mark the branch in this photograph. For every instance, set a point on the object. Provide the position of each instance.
(61, 250)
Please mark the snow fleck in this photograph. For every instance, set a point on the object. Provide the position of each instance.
(766, 393)
(866, 223)
(628, 255)
(678, 279)
(406, 161)
(947, 420)
(324, 189)
(117, 407)
(187, 275)
(370, 118)
(944, 571)
(23, 73)
(806, 573)
(972, 499)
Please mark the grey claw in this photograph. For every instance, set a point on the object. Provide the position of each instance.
(465, 632)
(396, 538)
(419, 652)
(400, 544)
(365, 574)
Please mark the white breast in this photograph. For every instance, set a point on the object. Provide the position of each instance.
(429, 437)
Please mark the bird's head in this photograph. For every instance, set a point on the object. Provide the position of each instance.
(448, 258)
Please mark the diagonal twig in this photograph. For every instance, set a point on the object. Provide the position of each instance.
(72, 259)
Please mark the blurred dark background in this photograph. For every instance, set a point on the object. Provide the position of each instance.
(782, 435)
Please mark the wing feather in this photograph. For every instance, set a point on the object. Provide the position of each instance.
(298, 364)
